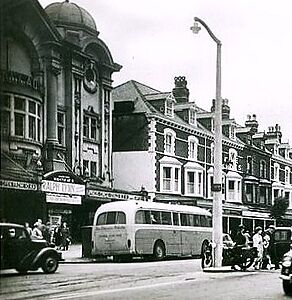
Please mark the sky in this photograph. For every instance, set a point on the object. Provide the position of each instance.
(153, 42)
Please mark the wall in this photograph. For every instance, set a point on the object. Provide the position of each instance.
(133, 170)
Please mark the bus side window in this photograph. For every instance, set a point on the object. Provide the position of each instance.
(197, 221)
(140, 217)
(101, 220)
(147, 216)
(184, 220)
(166, 218)
(175, 218)
(121, 217)
(206, 221)
(155, 217)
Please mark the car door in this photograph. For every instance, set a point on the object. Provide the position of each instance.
(17, 245)
(280, 243)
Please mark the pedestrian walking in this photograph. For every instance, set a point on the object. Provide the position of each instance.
(47, 233)
(28, 228)
(65, 236)
(58, 236)
(36, 232)
(258, 244)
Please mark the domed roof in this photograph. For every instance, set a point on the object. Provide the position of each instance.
(67, 13)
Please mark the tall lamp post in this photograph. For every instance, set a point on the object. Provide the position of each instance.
(217, 185)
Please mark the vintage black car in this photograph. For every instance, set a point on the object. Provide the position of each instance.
(280, 244)
(19, 251)
(286, 273)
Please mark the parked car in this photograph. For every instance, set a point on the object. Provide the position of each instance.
(286, 272)
(280, 244)
(19, 251)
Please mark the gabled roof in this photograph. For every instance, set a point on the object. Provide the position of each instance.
(139, 93)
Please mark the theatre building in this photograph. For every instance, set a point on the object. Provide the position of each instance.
(55, 89)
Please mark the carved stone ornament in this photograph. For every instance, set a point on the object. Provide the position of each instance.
(90, 80)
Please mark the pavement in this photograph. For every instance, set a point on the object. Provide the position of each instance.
(74, 255)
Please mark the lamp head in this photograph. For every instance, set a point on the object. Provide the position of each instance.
(195, 28)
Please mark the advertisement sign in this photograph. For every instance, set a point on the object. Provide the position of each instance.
(63, 199)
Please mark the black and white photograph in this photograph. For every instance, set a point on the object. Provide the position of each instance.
(145, 149)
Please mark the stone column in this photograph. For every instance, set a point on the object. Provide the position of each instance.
(52, 93)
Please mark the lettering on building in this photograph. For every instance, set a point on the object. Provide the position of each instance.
(18, 185)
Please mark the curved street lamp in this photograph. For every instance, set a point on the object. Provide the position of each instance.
(217, 186)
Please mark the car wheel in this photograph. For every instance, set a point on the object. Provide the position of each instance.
(287, 287)
(50, 264)
(206, 255)
(159, 251)
(246, 263)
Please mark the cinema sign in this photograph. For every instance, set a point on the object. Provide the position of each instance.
(63, 187)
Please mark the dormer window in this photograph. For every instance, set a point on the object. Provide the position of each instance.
(169, 106)
(169, 141)
(192, 117)
(276, 149)
(212, 125)
(232, 132)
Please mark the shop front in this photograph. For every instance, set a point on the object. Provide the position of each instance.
(21, 201)
(63, 194)
(95, 197)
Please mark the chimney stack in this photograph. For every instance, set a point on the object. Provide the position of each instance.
(180, 91)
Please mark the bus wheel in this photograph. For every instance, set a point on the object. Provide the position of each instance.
(159, 251)
(206, 256)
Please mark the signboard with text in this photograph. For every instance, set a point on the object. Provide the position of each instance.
(63, 188)
(113, 195)
(18, 185)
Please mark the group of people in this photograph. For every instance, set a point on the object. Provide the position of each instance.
(261, 240)
(58, 235)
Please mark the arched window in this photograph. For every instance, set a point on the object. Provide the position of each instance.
(193, 148)
(233, 158)
(169, 141)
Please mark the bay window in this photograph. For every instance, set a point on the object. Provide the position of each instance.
(21, 117)
(170, 180)
(193, 179)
